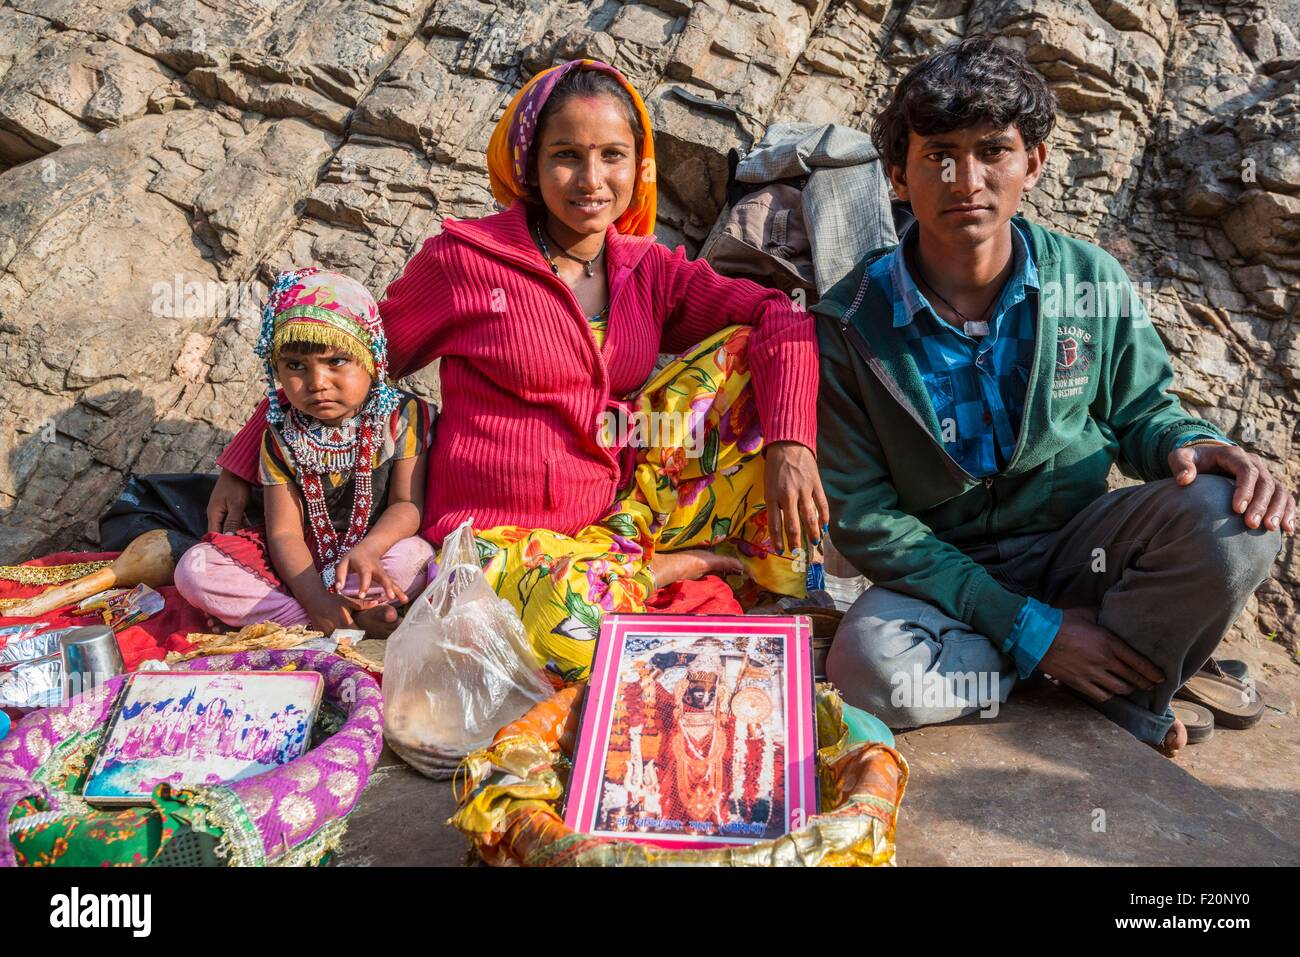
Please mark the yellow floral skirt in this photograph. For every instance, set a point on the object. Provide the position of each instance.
(697, 483)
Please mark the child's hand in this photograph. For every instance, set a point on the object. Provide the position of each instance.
(363, 562)
(335, 611)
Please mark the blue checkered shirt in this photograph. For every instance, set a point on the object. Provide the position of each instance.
(977, 385)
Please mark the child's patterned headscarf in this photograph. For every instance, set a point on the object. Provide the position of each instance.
(512, 140)
(314, 305)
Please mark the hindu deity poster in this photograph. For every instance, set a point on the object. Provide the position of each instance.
(196, 728)
(696, 731)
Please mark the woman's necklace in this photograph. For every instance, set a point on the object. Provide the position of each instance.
(703, 749)
(546, 251)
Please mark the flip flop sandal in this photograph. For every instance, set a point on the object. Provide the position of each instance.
(1233, 703)
(1198, 721)
(1227, 668)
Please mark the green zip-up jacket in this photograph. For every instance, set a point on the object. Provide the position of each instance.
(903, 510)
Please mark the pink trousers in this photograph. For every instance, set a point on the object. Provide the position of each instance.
(218, 585)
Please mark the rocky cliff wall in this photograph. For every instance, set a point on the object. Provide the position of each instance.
(161, 159)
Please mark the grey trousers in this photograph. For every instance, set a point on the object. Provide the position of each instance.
(1167, 568)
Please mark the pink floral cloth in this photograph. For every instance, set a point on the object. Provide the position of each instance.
(285, 807)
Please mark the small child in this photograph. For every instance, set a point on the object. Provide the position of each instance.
(342, 472)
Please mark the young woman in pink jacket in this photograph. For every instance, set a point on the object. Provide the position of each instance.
(590, 487)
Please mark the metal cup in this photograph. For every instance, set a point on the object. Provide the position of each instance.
(90, 657)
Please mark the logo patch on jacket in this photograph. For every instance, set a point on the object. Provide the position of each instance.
(1071, 358)
(1072, 362)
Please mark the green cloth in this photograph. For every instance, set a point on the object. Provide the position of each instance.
(866, 727)
(902, 509)
(121, 838)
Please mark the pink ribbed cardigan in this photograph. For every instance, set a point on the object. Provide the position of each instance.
(524, 385)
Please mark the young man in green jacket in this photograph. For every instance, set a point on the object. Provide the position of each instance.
(978, 382)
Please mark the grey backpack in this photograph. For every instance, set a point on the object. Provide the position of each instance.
(803, 206)
(762, 236)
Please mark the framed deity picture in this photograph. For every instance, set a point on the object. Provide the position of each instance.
(191, 728)
(696, 731)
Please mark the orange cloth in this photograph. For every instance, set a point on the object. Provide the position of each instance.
(507, 152)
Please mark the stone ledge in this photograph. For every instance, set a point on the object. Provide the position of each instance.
(1024, 790)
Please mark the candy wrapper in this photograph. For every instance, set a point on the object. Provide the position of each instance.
(98, 601)
(128, 608)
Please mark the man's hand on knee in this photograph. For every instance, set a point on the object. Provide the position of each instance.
(1095, 661)
(1262, 500)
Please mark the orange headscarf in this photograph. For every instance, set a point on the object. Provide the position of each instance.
(507, 153)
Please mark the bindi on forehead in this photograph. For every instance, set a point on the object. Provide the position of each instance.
(562, 141)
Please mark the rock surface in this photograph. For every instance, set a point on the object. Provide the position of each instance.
(1051, 782)
(161, 159)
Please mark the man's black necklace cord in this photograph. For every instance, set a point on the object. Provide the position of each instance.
(925, 282)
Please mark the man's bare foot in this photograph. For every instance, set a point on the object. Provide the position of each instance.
(378, 622)
(1175, 740)
(669, 567)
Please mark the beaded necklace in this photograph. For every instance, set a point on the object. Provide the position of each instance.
(319, 450)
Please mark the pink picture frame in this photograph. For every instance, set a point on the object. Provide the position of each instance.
(696, 731)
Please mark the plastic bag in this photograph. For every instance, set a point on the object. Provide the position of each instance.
(458, 667)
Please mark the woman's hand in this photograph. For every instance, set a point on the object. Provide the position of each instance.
(796, 504)
(228, 503)
(368, 566)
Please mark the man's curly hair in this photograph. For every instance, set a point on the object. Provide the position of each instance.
(965, 83)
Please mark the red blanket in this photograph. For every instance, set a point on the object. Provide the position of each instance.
(152, 638)
(165, 632)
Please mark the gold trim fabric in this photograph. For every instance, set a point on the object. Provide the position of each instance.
(48, 574)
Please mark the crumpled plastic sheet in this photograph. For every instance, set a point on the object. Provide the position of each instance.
(509, 793)
(26, 681)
